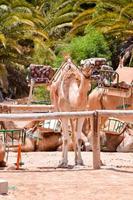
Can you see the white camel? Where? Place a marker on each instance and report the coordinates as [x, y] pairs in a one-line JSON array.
[[69, 93]]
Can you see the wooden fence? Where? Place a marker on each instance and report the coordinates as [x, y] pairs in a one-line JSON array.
[[95, 117], [19, 108]]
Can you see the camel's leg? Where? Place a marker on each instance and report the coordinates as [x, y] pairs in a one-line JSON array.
[[100, 126], [73, 126], [64, 162], [54, 96], [31, 91], [2, 154], [80, 122]]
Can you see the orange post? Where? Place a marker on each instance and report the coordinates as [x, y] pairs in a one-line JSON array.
[[18, 156]]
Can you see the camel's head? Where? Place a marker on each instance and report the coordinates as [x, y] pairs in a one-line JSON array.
[[92, 66], [87, 68]]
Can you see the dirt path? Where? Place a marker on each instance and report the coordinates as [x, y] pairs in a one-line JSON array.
[[41, 180]]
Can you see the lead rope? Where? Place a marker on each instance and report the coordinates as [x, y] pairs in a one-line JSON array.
[[123, 103], [124, 108], [101, 99]]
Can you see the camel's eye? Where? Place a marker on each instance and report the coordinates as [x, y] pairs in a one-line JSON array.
[[91, 65]]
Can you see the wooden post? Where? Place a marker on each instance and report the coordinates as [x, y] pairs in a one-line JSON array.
[[31, 91], [21, 108], [18, 156], [96, 142]]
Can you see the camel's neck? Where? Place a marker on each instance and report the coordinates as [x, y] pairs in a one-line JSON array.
[[74, 92], [85, 84], [9, 125]]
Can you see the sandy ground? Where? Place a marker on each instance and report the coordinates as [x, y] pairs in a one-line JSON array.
[[40, 179]]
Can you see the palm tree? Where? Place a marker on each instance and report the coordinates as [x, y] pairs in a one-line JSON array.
[[18, 21], [21, 29], [111, 17], [117, 21]]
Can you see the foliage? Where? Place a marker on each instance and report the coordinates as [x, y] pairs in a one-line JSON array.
[[19, 21], [111, 17], [3, 78], [17, 82], [20, 26], [93, 44], [41, 94], [42, 54], [42, 31]]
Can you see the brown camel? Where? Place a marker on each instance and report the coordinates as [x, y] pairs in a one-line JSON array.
[[2, 154], [114, 98], [43, 139], [37, 139], [69, 90], [49, 140], [120, 97], [2, 146]]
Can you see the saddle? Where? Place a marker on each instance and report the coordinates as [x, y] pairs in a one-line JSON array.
[[114, 84], [40, 73]]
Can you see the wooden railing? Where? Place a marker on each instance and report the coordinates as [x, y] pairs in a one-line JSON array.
[[20, 108], [95, 117]]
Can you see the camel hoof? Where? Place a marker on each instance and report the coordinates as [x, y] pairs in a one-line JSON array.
[[2, 164], [101, 163], [80, 162], [63, 165]]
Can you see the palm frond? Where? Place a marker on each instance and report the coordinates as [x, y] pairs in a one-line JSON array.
[[22, 9], [79, 2], [83, 16], [41, 33], [63, 5], [67, 17], [14, 20], [12, 44], [79, 27], [60, 26], [3, 39], [107, 18], [127, 11]]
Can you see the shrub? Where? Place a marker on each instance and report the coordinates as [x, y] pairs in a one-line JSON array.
[[92, 44]]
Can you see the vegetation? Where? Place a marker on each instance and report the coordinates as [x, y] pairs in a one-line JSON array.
[[92, 44], [42, 31], [41, 94]]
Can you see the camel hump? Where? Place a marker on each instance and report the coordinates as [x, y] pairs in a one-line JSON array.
[[125, 74]]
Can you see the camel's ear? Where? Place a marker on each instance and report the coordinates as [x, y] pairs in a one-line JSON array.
[[48, 85], [92, 65], [82, 62]]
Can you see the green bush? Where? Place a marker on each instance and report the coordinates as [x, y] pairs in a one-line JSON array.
[[41, 94], [92, 44]]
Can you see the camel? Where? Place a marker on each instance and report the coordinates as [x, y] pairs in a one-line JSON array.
[[49, 139], [126, 144], [2, 146], [43, 139], [68, 90], [128, 55], [37, 137], [120, 97], [2, 155], [117, 136]]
